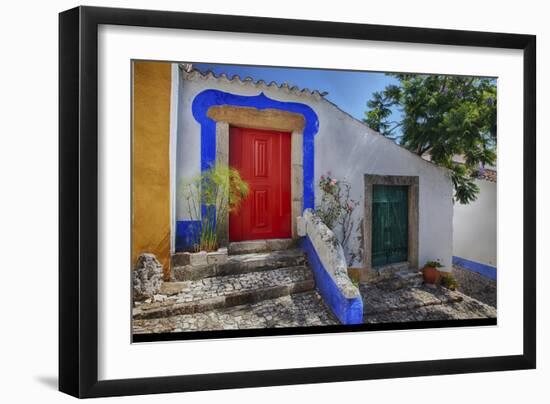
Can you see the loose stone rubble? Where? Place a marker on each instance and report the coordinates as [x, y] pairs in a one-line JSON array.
[[147, 277]]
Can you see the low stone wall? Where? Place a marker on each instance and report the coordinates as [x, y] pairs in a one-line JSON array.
[[328, 263], [189, 266]]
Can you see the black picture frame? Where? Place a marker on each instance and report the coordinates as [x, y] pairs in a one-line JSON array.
[[78, 201]]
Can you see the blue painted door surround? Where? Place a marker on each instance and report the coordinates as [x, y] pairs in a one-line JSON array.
[[209, 98]]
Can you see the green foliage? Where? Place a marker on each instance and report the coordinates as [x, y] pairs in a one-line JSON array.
[[433, 264], [379, 112], [443, 117], [336, 207], [221, 190], [466, 189], [449, 281]]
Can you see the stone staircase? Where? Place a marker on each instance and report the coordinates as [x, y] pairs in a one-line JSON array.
[[254, 271]]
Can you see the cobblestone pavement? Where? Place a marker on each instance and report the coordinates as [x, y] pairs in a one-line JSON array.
[[381, 304], [297, 310], [476, 286], [420, 304], [207, 288]]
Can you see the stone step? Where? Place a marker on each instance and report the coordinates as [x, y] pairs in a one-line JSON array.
[[258, 246], [390, 270], [400, 280], [297, 310], [241, 264], [176, 298]]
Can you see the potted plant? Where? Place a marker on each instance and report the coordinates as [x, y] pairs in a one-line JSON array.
[[430, 272]]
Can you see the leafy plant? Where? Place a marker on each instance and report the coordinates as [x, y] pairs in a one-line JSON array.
[[336, 207], [433, 264], [449, 281], [210, 198], [442, 117]]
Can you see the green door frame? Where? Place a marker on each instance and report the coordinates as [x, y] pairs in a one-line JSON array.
[[412, 182]]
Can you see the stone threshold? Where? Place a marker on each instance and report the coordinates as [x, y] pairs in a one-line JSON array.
[[258, 246]]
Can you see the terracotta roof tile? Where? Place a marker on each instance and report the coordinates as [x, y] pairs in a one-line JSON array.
[[487, 175], [191, 73]]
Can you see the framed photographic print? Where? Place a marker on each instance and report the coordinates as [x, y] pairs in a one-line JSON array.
[[269, 201]]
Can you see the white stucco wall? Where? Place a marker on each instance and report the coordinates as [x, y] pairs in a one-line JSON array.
[[188, 153], [346, 148], [475, 226]]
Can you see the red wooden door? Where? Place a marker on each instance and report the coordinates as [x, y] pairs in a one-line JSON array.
[[263, 160]]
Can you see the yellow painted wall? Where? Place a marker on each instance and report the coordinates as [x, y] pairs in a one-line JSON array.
[[150, 161]]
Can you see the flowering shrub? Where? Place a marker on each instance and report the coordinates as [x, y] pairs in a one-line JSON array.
[[336, 207], [329, 211]]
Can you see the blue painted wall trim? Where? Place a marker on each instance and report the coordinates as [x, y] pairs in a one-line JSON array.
[[209, 98], [348, 311], [482, 269], [187, 234]]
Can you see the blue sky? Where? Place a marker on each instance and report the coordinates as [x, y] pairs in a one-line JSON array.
[[349, 90]]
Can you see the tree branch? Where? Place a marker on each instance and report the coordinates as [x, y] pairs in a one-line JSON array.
[[395, 127]]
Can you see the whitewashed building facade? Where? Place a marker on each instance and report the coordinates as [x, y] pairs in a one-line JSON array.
[[324, 139]]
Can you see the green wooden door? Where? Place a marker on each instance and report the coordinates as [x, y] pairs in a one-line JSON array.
[[389, 224]]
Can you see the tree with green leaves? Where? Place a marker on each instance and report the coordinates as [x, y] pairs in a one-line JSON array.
[[441, 117]]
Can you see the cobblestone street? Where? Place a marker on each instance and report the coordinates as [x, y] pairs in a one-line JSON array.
[[420, 304], [301, 309], [277, 289], [476, 286], [307, 309]]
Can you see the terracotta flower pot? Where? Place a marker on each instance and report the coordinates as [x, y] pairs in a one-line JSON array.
[[430, 275]]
